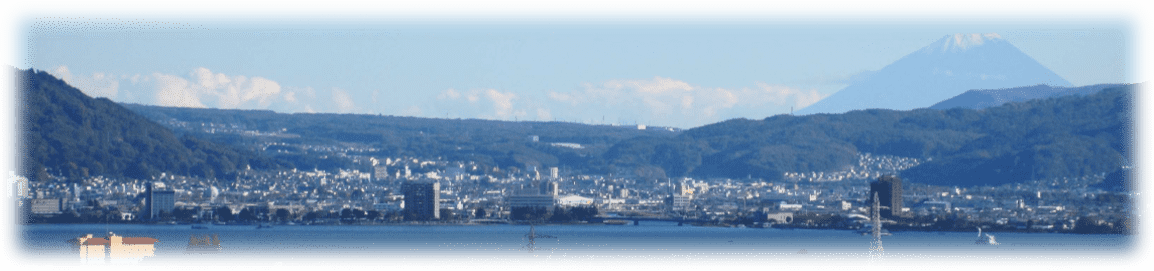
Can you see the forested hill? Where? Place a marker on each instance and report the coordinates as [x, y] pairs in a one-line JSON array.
[[69, 134], [982, 98], [1067, 136], [298, 138]]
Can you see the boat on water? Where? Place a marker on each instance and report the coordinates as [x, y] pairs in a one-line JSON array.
[[985, 239], [616, 222], [263, 226]]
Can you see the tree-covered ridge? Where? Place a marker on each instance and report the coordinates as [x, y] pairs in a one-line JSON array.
[[490, 143], [1037, 139], [983, 98], [67, 133]]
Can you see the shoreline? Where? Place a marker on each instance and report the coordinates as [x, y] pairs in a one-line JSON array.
[[776, 227]]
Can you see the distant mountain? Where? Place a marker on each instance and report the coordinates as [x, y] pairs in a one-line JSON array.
[[948, 67], [1069, 136], [982, 98], [66, 133]]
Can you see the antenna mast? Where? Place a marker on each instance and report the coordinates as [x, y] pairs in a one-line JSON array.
[[875, 217]]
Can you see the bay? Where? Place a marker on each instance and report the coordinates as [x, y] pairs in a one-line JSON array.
[[648, 244]]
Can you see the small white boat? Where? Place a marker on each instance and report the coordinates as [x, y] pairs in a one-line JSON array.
[[987, 239]]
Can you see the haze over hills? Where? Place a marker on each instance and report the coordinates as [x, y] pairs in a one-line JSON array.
[[944, 69], [72, 135], [982, 98]]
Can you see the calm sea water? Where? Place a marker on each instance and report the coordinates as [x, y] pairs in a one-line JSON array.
[[504, 245]]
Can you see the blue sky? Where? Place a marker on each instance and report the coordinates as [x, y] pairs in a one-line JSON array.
[[666, 73]]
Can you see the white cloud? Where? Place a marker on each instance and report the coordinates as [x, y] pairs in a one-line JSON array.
[[783, 95], [203, 88], [544, 114], [175, 91], [655, 101], [412, 110], [667, 101], [235, 91], [96, 85], [343, 101], [502, 102], [290, 96], [449, 94]]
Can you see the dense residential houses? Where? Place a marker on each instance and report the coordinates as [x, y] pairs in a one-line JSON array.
[[401, 189]]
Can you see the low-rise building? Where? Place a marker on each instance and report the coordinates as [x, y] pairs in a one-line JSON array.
[[45, 206], [574, 200], [546, 201]]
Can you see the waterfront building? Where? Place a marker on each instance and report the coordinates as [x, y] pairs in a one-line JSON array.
[[157, 200], [421, 200], [786, 206], [91, 249], [130, 249], [120, 249], [44, 206], [889, 191], [574, 200], [543, 201], [678, 203]]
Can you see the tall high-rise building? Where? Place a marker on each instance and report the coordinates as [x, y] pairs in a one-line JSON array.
[[550, 188], [889, 191], [380, 172], [680, 189], [421, 200], [157, 200]]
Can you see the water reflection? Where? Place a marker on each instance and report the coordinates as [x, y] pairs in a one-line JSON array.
[[203, 245]]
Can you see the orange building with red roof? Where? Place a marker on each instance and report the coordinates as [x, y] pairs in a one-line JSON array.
[[119, 248]]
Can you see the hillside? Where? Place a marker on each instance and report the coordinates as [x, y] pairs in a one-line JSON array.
[[490, 143], [66, 133], [1064, 136], [1048, 138], [982, 98]]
